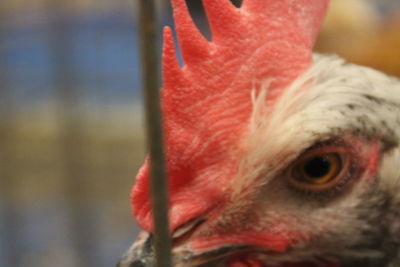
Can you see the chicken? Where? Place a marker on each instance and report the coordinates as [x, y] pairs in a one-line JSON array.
[[275, 156]]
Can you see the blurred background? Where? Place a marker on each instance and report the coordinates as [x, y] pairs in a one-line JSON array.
[[71, 130]]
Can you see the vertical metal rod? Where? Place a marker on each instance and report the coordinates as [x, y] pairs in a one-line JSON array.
[[159, 193]]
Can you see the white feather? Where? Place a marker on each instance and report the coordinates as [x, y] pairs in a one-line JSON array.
[[316, 107]]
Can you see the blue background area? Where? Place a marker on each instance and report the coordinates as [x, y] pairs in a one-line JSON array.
[[101, 58]]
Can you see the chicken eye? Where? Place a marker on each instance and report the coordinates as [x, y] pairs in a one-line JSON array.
[[318, 170]]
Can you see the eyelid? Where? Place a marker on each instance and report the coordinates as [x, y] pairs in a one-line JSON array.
[[322, 150]]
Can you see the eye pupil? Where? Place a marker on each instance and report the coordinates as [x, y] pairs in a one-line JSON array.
[[317, 167]]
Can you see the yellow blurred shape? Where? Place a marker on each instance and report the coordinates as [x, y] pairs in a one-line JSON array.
[[356, 31]]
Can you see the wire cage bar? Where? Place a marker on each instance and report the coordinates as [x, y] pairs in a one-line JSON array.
[[150, 74]]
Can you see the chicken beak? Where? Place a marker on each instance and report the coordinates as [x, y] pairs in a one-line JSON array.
[[140, 254]]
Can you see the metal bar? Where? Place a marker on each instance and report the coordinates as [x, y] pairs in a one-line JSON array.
[[159, 193]]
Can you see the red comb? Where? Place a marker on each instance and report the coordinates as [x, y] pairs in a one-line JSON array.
[[207, 102]]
